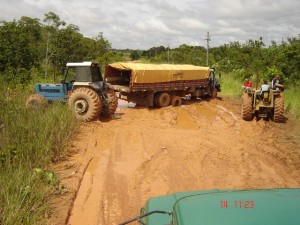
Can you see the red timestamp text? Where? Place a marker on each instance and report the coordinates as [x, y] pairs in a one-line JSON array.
[[239, 204]]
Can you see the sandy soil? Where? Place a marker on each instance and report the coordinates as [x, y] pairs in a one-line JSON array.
[[116, 165]]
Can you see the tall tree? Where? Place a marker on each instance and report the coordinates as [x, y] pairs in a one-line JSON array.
[[97, 46], [67, 46], [53, 22]]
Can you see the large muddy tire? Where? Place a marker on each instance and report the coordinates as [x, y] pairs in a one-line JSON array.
[[176, 100], [85, 104], [247, 108], [110, 103], [36, 101], [278, 109], [163, 99]]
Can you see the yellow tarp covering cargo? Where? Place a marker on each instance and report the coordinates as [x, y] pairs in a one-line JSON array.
[[154, 73]]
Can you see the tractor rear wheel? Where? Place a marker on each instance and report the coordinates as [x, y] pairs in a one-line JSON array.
[[176, 100], [163, 99], [247, 108], [278, 116], [85, 104], [36, 101], [110, 103]]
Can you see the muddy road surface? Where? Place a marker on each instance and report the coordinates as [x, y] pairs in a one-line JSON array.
[[117, 165]]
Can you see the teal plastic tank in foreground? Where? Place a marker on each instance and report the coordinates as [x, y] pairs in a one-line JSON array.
[[225, 207]]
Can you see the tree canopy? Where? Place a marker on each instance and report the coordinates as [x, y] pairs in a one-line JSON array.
[[28, 43]]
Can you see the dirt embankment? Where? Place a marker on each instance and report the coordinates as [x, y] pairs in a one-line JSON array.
[[143, 153]]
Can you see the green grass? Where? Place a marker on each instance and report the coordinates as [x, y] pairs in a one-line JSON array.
[[292, 100], [233, 87], [29, 140], [23, 197]]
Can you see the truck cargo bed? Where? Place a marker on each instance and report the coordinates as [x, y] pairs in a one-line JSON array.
[[137, 73]]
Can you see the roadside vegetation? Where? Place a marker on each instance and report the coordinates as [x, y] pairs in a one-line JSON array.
[[37, 51], [30, 141], [292, 100]]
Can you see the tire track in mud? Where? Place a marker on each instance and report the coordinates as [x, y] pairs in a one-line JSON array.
[[119, 182], [206, 145]]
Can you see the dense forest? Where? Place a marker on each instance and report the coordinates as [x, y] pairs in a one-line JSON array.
[[32, 49]]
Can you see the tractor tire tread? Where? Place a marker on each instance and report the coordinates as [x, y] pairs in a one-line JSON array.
[[247, 108], [278, 109], [93, 100], [110, 104]]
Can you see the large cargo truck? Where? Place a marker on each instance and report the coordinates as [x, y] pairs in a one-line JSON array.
[[161, 85]]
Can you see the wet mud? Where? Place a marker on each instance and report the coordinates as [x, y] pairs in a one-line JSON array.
[[142, 153]]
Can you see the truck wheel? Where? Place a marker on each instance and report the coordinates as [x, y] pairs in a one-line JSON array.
[[155, 101], [163, 99], [110, 103], [214, 94], [85, 104], [278, 109], [247, 107], [36, 101], [176, 100]]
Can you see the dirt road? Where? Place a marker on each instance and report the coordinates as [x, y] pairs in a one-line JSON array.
[[143, 153]]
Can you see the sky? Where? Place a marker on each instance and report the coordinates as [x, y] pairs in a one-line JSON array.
[[142, 24]]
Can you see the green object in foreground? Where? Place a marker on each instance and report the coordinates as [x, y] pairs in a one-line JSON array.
[[226, 207]]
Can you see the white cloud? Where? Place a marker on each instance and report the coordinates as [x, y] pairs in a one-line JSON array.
[[231, 31], [155, 26], [39, 3], [244, 8], [193, 24]]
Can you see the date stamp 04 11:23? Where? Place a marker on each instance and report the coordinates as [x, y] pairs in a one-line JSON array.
[[239, 204]]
